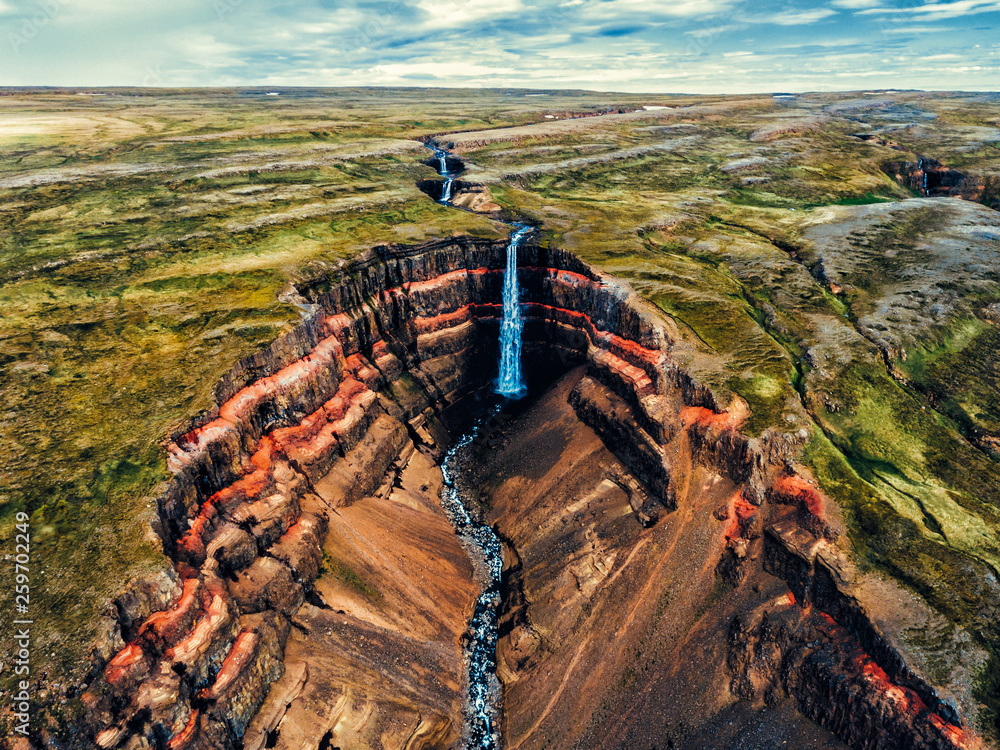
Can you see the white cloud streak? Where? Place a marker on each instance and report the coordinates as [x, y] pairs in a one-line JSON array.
[[451, 13], [937, 11], [856, 4], [793, 18]]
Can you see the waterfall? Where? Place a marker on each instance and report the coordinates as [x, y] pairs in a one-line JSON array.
[[449, 178], [510, 383], [484, 699]]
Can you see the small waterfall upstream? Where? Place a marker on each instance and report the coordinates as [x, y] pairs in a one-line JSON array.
[[483, 708], [449, 177]]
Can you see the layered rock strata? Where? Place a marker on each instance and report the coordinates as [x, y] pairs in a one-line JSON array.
[[307, 431], [308, 427], [653, 622]]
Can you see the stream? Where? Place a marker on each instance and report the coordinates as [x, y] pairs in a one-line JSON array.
[[484, 699], [484, 702]]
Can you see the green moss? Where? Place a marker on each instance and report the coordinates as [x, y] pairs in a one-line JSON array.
[[761, 199], [867, 198], [885, 539], [987, 691], [347, 576]]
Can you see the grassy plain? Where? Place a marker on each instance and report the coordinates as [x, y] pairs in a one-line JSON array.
[[146, 239]]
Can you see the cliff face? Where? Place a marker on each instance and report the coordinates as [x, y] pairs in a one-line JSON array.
[[929, 177], [471, 196], [313, 560], [653, 622]]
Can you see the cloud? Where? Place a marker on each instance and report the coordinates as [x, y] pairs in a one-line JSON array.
[[447, 70], [688, 45], [794, 18], [205, 51], [450, 13], [712, 31], [819, 44], [856, 4], [692, 9], [919, 30], [942, 10]]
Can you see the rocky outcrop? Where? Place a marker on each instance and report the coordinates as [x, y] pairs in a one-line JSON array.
[[476, 198], [869, 685], [470, 196], [781, 128], [783, 648], [845, 659]]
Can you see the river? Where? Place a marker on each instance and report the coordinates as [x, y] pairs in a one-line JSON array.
[[484, 701]]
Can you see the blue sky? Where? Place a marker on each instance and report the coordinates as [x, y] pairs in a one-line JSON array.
[[695, 46]]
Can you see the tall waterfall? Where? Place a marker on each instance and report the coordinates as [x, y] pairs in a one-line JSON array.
[[511, 382]]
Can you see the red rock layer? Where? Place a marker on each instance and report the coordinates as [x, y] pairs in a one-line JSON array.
[[241, 517], [834, 680]]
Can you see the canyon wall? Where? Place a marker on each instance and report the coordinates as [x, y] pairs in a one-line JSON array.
[[310, 436], [652, 623]]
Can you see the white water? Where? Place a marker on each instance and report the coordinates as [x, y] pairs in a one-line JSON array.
[[449, 177], [510, 383], [483, 706]]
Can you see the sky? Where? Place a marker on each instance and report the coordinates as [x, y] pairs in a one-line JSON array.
[[672, 46]]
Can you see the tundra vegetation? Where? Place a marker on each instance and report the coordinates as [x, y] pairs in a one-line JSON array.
[[148, 240]]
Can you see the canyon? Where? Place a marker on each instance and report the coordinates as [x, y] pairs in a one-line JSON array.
[[320, 596]]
